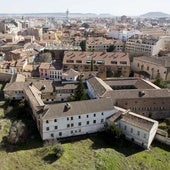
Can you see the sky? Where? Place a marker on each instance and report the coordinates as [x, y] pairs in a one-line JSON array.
[[114, 7]]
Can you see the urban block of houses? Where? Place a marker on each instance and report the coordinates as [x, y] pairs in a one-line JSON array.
[[49, 91], [110, 61], [51, 71], [102, 44]]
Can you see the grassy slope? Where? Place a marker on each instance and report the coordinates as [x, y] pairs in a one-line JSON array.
[[88, 154]]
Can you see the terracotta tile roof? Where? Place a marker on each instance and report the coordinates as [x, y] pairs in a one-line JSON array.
[[107, 58]]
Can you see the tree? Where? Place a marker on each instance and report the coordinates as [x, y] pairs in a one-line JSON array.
[[58, 150], [111, 48], [83, 45], [160, 83], [18, 133], [115, 131], [92, 65], [80, 91]]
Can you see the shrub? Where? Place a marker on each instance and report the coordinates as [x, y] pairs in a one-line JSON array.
[[58, 150], [167, 121]]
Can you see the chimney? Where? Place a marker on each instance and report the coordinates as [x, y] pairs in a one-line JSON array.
[[141, 93], [68, 106]]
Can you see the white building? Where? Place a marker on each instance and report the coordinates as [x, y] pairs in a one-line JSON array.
[[136, 128], [70, 75], [123, 35], [51, 71], [147, 45], [75, 118]]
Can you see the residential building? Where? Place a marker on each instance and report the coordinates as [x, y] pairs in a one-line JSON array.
[[143, 44], [117, 62], [51, 71], [102, 44]]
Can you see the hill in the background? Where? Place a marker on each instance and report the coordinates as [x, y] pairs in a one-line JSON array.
[[155, 15]]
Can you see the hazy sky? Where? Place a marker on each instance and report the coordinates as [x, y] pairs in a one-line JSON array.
[[115, 7]]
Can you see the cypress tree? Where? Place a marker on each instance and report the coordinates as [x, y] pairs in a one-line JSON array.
[[80, 92]]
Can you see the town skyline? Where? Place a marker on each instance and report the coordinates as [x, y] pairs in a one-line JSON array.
[[132, 8]]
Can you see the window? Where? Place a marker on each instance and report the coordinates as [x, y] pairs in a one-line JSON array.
[[144, 136], [94, 115], [87, 116], [52, 135], [138, 133], [79, 117], [60, 133], [71, 131], [79, 130], [87, 122], [68, 125], [55, 120], [47, 121], [55, 127], [102, 113], [71, 118], [79, 123], [131, 130], [67, 118], [47, 128], [102, 120], [94, 121], [72, 124]]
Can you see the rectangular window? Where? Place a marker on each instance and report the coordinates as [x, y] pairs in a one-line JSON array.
[[68, 125], [55, 120], [87, 116], [138, 133], [94, 115], [67, 118], [60, 133], [52, 135], [102, 113], [47, 128], [47, 121], [71, 131], [56, 127], [71, 118], [79, 123], [94, 121], [102, 120], [87, 122], [79, 117], [72, 124]]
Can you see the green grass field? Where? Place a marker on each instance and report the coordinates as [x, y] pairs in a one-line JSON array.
[[93, 152]]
